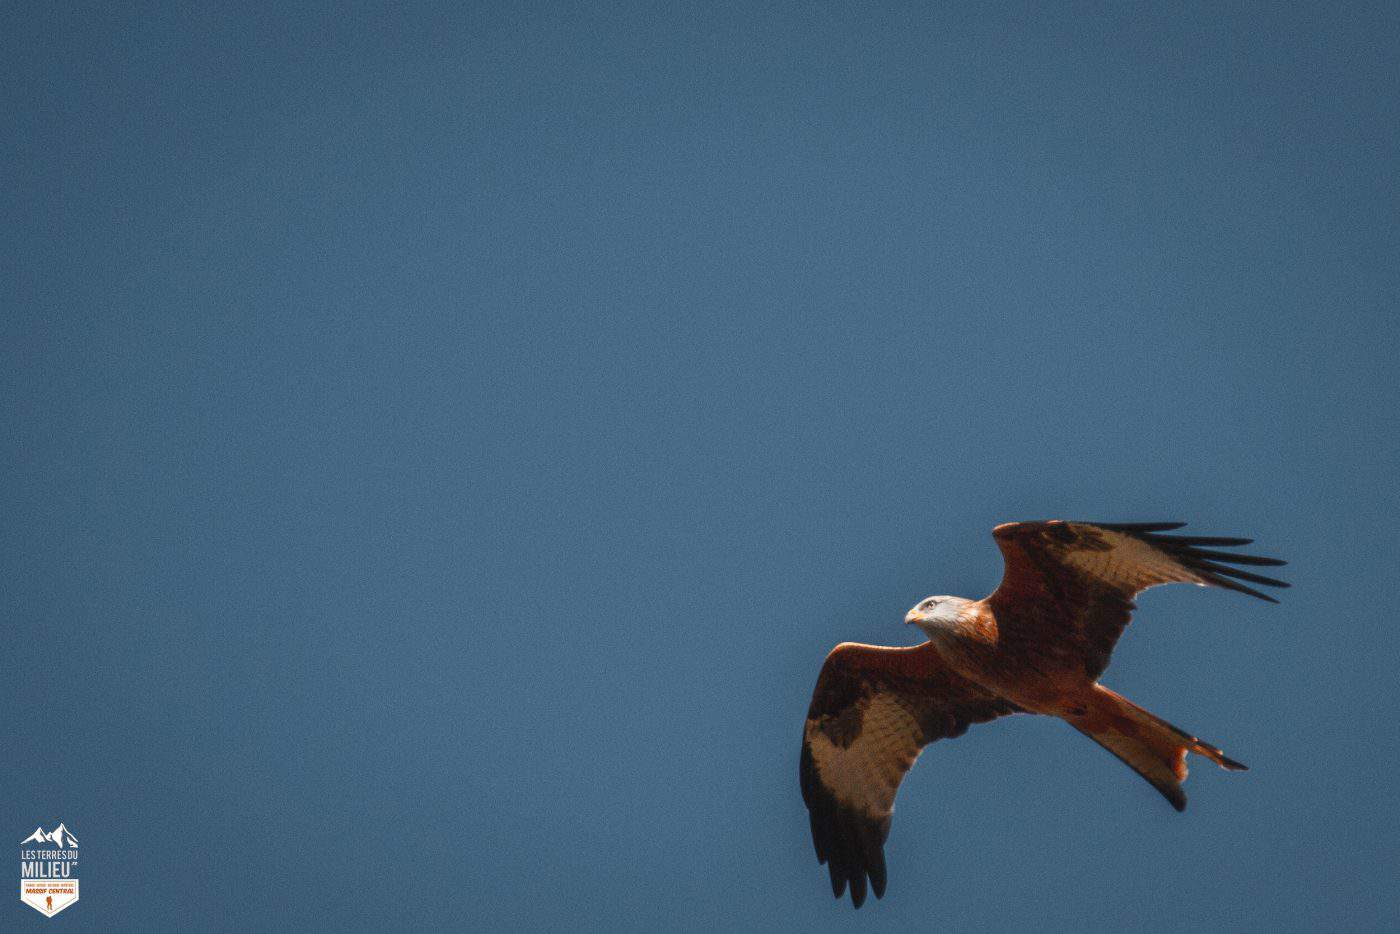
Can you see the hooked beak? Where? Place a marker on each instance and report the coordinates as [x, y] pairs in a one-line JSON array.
[[913, 616]]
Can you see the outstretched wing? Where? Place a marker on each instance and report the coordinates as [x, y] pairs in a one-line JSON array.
[[873, 710], [1069, 586]]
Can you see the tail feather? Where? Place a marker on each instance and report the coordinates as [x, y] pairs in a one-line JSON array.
[[1146, 743]]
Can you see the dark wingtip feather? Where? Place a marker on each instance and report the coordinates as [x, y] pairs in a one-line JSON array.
[[1211, 540], [849, 842], [1214, 567], [1228, 584], [858, 889], [1239, 559], [874, 858], [1217, 568]]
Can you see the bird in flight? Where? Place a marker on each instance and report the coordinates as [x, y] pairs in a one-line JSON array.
[[1038, 644]]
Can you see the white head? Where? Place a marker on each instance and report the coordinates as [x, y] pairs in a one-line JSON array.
[[938, 613]]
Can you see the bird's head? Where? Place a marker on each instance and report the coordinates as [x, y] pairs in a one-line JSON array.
[[935, 613]]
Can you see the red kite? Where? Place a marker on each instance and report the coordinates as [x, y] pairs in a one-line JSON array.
[[1037, 645]]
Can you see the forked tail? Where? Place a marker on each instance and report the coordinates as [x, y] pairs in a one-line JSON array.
[[1149, 745]]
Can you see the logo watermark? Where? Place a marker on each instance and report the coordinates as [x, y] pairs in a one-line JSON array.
[[48, 870]]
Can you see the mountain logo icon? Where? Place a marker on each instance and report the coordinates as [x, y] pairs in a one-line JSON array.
[[60, 837]]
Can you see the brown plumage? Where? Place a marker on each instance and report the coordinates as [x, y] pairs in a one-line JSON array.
[[1036, 645]]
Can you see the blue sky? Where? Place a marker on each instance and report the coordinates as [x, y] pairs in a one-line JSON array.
[[442, 442]]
